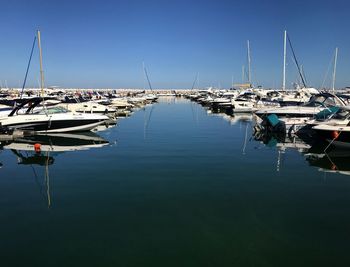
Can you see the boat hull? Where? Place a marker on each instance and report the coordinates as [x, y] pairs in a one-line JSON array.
[[54, 124]]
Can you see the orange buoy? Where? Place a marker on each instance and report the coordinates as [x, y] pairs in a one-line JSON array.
[[335, 134], [37, 147]]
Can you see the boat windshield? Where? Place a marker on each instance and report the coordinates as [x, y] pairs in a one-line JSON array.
[[53, 110], [321, 100], [333, 113], [341, 115]]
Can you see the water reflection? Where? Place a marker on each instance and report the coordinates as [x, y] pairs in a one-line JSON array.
[[39, 150], [233, 119], [56, 143], [317, 154], [336, 160], [27, 154], [35, 158]]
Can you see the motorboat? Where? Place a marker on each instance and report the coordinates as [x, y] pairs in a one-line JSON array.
[[316, 104], [50, 119], [337, 135], [292, 120], [89, 107]]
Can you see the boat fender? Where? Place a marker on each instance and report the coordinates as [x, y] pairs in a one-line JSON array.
[[335, 134], [37, 147], [334, 167]]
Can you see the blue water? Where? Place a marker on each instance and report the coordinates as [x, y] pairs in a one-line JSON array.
[[175, 186]]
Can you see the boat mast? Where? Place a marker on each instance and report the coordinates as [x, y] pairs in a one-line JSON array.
[[41, 66], [243, 74], [26, 75], [249, 74], [302, 73], [144, 76], [335, 68], [194, 82], [198, 79], [284, 60]]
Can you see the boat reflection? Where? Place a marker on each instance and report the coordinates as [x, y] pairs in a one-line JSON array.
[[283, 142], [234, 119], [33, 159], [318, 154], [60, 142], [41, 149], [336, 160]]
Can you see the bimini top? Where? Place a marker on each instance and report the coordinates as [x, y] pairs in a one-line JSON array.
[[31, 102]]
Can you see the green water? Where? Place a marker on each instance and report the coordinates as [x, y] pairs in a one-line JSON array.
[[176, 186]]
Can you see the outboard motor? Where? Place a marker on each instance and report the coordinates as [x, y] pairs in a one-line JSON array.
[[272, 124]]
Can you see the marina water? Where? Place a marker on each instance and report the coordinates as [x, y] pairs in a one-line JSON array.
[[175, 186]]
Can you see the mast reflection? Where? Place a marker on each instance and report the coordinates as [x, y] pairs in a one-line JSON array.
[[319, 154]]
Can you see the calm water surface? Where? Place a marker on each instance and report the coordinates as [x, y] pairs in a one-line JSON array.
[[175, 186]]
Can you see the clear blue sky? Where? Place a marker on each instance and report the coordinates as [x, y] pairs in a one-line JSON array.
[[101, 44]]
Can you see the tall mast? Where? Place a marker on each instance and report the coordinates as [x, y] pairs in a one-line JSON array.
[[41, 66], [249, 74], [195, 80], [335, 68], [243, 74], [284, 60], [144, 76], [198, 79], [302, 74]]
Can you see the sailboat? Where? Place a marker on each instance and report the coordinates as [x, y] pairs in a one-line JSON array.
[[150, 98]]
